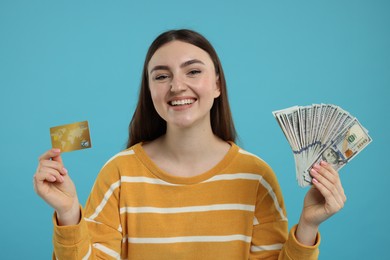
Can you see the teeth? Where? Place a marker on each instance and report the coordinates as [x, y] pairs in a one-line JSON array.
[[182, 102]]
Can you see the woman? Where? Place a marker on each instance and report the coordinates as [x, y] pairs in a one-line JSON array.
[[183, 189]]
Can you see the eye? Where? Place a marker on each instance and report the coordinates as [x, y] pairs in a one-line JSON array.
[[161, 77], [194, 72]]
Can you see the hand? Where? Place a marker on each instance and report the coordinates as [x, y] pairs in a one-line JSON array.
[[325, 198], [53, 184]]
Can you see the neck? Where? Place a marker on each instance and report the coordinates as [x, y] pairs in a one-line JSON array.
[[187, 152], [189, 143]]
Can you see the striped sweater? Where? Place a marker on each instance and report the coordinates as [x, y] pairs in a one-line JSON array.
[[137, 211]]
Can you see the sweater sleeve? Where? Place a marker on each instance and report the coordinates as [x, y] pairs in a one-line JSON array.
[[294, 250], [99, 233], [270, 238]]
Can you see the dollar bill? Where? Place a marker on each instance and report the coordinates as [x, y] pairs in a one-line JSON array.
[[321, 132], [349, 142]]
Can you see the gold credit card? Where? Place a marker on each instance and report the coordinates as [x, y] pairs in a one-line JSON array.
[[71, 137]]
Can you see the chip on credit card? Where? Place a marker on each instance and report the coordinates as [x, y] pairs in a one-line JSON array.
[[71, 137]]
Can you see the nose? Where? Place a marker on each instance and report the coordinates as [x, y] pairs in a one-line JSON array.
[[177, 85]]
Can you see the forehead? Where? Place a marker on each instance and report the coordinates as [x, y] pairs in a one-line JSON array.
[[177, 52]]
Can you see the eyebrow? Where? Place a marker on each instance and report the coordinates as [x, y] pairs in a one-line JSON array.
[[184, 64]]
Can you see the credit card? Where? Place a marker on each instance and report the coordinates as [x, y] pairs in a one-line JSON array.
[[71, 137]]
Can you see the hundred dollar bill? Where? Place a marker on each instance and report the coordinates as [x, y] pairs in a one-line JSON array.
[[347, 144], [315, 130]]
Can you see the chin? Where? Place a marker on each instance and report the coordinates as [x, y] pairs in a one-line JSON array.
[[184, 123], [188, 121]]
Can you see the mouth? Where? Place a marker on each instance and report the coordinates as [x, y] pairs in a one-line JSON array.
[[182, 102]]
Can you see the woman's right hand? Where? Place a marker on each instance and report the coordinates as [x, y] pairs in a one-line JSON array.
[[53, 184]]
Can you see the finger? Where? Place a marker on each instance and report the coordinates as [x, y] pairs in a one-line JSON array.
[[57, 158], [332, 204], [333, 176], [333, 189], [48, 174], [53, 155], [326, 172], [323, 176], [329, 168], [40, 181], [50, 154], [55, 165]]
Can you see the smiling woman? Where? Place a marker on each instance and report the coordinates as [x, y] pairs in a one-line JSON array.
[[183, 89], [183, 189], [221, 118]]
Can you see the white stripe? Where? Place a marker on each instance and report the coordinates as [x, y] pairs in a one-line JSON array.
[[91, 220], [268, 187], [222, 177], [124, 239], [187, 239], [107, 250], [146, 180], [123, 153], [126, 152], [107, 195], [88, 254], [251, 154], [235, 176], [266, 248], [214, 207], [273, 196]]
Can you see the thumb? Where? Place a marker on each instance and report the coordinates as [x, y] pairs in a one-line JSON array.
[[56, 155]]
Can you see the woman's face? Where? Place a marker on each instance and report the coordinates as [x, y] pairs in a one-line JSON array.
[[183, 84]]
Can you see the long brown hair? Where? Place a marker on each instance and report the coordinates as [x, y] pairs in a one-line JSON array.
[[147, 125]]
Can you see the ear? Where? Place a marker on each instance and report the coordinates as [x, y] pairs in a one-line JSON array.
[[217, 91]]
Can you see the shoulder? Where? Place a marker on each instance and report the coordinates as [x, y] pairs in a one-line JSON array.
[[251, 160], [117, 163], [121, 157], [121, 164], [248, 162]]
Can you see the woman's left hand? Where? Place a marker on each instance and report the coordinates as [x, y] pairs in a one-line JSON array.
[[325, 198]]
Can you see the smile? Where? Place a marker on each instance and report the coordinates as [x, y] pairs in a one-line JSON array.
[[181, 102]]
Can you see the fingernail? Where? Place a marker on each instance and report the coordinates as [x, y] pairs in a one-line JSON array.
[[313, 171], [65, 170], [316, 166], [56, 150], [314, 180], [323, 163]]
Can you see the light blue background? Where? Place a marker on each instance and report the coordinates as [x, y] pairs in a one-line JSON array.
[[68, 61]]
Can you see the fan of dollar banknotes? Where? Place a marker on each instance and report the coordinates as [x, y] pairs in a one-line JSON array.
[[321, 132]]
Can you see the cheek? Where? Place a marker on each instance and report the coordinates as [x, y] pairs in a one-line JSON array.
[[153, 94], [156, 92], [156, 100], [209, 86]]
